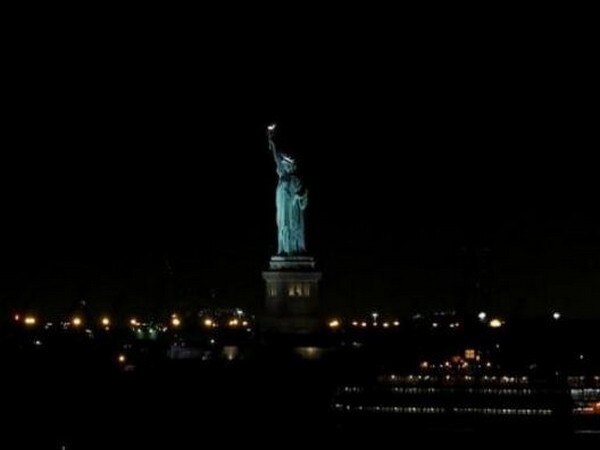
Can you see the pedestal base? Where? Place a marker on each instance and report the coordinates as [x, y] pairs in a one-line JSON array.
[[292, 293]]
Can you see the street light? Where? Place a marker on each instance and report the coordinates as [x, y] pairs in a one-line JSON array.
[[30, 320], [495, 323], [335, 323]]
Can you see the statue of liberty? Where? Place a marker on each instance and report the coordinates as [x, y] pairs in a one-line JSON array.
[[291, 199]]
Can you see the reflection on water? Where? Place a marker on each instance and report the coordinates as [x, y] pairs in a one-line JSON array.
[[230, 352], [311, 353]]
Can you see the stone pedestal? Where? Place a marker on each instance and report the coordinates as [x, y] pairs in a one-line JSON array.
[[292, 295]]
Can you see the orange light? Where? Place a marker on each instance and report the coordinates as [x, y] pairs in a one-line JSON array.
[[105, 321], [30, 320], [175, 321], [76, 321], [208, 323], [233, 323], [335, 323]]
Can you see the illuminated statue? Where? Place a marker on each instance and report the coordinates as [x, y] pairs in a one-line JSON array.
[[291, 199]]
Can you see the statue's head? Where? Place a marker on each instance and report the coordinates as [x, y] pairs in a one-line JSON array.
[[288, 163]]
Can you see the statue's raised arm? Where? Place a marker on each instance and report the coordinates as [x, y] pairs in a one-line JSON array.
[[272, 147]]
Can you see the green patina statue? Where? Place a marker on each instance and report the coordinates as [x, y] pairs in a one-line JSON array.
[[291, 199]]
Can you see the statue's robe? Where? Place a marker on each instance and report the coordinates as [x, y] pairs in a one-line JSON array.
[[291, 201]]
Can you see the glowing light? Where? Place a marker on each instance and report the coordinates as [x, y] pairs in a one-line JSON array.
[[482, 315], [245, 323], [233, 323], [230, 352], [76, 321], [495, 323], [470, 353], [396, 323], [105, 321], [556, 315], [208, 323], [364, 324], [30, 320], [309, 352], [175, 321], [424, 365], [335, 323], [271, 127], [122, 358], [133, 322], [17, 317], [386, 325], [434, 325]]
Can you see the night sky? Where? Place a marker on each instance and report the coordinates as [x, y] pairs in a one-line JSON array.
[[135, 173]]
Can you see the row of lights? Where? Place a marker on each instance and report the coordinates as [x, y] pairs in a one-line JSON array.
[[209, 323], [492, 323], [232, 323], [497, 323], [336, 323], [105, 321], [76, 321]]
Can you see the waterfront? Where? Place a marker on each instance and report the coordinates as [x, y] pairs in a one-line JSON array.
[[98, 389]]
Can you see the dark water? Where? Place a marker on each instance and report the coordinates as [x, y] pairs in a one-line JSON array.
[[82, 398]]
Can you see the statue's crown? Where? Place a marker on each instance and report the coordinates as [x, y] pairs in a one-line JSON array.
[[288, 159]]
